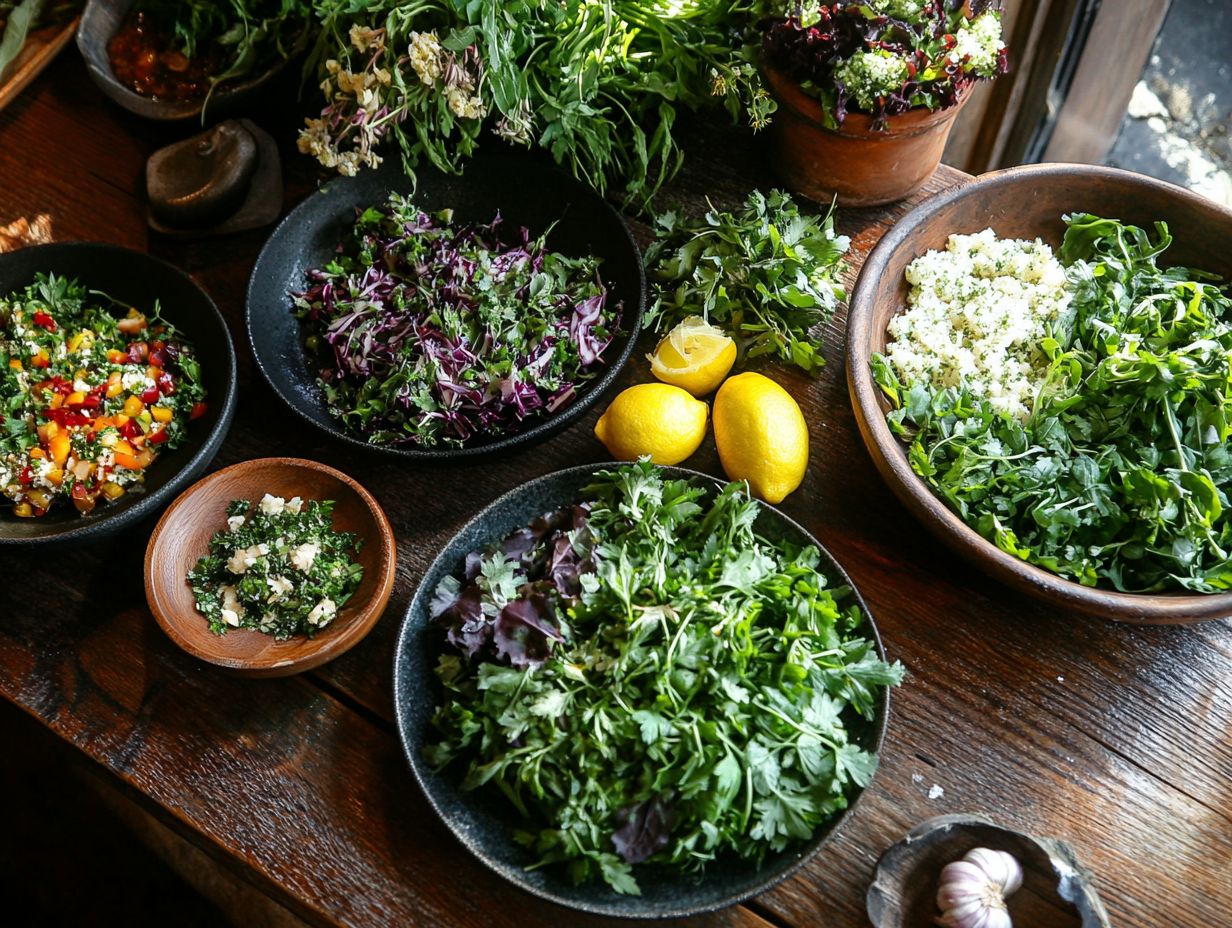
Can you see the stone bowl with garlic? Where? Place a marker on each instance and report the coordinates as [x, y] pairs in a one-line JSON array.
[[1006, 878]]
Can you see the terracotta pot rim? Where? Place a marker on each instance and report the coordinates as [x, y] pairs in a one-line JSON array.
[[915, 121]]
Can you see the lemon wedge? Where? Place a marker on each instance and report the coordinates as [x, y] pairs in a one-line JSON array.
[[694, 356]]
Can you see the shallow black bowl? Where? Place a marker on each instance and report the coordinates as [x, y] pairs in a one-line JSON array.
[[525, 193], [138, 279], [487, 828], [101, 20]]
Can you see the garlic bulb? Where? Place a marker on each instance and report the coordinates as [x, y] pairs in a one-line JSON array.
[[973, 890]]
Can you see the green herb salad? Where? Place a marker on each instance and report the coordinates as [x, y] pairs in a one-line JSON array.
[[1115, 468], [279, 568], [644, 677]]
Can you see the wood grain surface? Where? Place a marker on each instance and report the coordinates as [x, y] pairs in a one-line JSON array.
[[1114, 739]]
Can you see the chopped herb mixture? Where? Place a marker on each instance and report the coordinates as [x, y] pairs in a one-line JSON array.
[[644, 677], [766, 274], [433, 334], [280, 568], [1121, 473], [89, 401]]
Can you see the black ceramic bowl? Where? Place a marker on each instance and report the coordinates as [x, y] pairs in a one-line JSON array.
[[525, 192], [487, 828], [101, 19], [139, 279]]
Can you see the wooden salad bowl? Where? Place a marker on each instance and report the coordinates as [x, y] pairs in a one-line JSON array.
[[1023, 202], [183, 534]]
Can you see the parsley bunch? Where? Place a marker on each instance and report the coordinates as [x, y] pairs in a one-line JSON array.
[[1122, 475], [767, 274], [648, 678]]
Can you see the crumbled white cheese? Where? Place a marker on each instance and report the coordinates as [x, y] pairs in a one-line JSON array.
[[81, 386], [39, 470], [272, 505], [322, 612], [279, 586], [243, 558], [303, 555], [234, 523], [976, 314], [295, 504], [134, 378], [232, 610]]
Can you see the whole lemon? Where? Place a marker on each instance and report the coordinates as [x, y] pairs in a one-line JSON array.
[[655, 419], [695, 356], [761, 435]]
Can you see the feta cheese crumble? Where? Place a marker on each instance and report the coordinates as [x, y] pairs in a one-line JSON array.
[[976, 315]]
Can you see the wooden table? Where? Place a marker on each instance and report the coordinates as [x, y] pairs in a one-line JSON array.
[[1111, 737]]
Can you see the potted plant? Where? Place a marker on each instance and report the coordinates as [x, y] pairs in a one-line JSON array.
[[867, 92]]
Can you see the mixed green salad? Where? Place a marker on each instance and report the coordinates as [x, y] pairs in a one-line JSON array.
[[645, 677], [18, 18], [431, 333], [279, 568], [1121, 473]]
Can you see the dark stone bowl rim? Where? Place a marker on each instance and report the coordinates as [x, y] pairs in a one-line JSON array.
[[337, 197], [107, 522], [427, 779]]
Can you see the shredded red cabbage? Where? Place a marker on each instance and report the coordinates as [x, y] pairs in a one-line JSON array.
[[433, 334]]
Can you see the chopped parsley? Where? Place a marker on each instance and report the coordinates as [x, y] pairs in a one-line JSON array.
[[280, 568], [645, 677]]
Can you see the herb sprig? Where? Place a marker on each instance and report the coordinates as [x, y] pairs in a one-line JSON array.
[[767, 274], [646, 677], [1123, 473]]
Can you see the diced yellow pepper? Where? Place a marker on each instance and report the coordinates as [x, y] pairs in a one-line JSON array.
[[112, 490], [59, 446], [76, 398], [133, 407], [114, 385], [15, 364], [161, 413]]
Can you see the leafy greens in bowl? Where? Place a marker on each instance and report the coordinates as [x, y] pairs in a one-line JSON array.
[[629, 675], [1108, 496], [470, 316]]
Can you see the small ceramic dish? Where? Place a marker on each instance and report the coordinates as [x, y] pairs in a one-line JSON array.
[[487, 829], [524, 192], [101, 20], [1025, 202], [139, 280], [183, 534]]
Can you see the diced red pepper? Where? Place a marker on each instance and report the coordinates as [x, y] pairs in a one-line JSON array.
[[158, 355], [40, 361], [198, 410], [150, 395], [26, 477], [158, 437], [66, 418], [138, 352], [131, 429], [59, 385], [92, 401], [44, 321], [166, 383]]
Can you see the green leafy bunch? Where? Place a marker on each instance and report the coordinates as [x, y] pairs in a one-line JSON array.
[[1121, 475], [597, 83], [243, 35], [767, 273], [712, 694]]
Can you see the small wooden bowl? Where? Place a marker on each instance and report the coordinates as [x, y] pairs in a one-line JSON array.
[[1024, 202], [183, 535]]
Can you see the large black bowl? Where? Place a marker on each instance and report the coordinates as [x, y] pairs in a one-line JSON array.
[[525, 193], [487, 828], [138, 279]]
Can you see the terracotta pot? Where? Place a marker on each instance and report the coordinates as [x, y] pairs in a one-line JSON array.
[[861, 166]]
